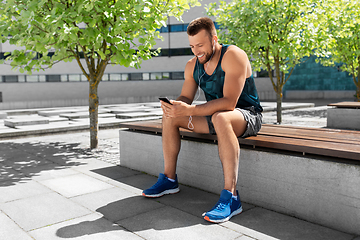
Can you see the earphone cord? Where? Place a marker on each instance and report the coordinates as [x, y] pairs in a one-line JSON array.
[[190, 124]]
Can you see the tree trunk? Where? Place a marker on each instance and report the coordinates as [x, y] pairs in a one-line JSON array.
[[278, 105], [93, 114]]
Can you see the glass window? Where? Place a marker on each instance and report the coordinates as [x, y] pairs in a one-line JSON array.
[[10, 78], [146, 76], [166, 75], [32, 78], [177, 28], [74, 77], [164, 29], [53, 78], [105, 77], [21, 78], [135, 76], [64, 78], [42, 78], [83, 78], [114, 77], [124, 76], [177, 75], [155, 76]]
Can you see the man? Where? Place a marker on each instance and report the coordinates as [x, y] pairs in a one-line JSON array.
[[232, 110]]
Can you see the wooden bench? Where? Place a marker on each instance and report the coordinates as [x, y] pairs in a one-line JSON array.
[[309, 173], [325, 142], [344, 115]]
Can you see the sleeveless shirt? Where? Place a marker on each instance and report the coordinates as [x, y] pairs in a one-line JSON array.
[[213, 85]]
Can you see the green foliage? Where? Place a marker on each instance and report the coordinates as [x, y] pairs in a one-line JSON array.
[[117, 31], [279, 32], [276, 34], [343, 34]]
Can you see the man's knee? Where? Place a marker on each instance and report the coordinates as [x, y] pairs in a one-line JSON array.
[[219, 120], [173, 122]]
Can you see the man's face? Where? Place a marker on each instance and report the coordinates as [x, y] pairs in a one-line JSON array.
[[201, 46]]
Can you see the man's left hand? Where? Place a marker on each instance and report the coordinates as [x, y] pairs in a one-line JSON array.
[[177, 109]]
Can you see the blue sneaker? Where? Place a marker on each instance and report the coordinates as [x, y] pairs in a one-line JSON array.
[[225, 208], [161, 187]]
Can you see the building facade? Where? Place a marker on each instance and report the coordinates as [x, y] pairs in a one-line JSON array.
[[64, 84]]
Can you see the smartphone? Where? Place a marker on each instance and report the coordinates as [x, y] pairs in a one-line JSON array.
[[165, 99]]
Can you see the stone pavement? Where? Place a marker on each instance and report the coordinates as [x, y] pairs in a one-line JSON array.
[[55, 187]]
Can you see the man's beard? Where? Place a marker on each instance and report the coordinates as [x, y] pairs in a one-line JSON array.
[[207, 58]]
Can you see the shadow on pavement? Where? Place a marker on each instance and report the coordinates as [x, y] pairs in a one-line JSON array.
[[22, 161]]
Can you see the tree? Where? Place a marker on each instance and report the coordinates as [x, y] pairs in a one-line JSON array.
[[277, 34], [343, 31], [100, 31]]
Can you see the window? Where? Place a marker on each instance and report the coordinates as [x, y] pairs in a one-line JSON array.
[[64, 78], [105, 77], [53, 78], [32, 78], [164, 30], [166, 75], [135, 76], [156, 76], [42, 78], [74, 78], [114, 77], [177, 28], [177, 75], [124, 76], [10, 78], [21, 78], [146, 76]]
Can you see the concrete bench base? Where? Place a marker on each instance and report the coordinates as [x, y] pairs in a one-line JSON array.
[[343, 118], [314, 189]]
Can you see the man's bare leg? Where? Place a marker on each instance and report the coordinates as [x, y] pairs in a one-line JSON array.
[[228, 126], [171, 141]]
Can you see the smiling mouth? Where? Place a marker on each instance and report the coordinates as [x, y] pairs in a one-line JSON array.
[[200, 56]]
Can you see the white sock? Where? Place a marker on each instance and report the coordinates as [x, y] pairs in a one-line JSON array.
[[171, 180]]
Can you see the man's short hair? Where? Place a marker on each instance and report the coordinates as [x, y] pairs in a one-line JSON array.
[[199, 24]]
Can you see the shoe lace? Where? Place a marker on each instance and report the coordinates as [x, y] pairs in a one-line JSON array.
[[157, 184], [220, 205]]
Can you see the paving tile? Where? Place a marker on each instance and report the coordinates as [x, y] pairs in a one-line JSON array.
[[42, 210], [135, 184], [116, 203], [9, 176], [112, 172], [9, 230], [48, 171], [258, 222], [75, 185], [20, 189], [171, 223], [194, 201], [92, 226], [90, 164]]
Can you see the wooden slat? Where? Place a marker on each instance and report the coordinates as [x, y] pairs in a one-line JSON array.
[[327, 142], [340, 150], [346, 105], [350, 137]]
